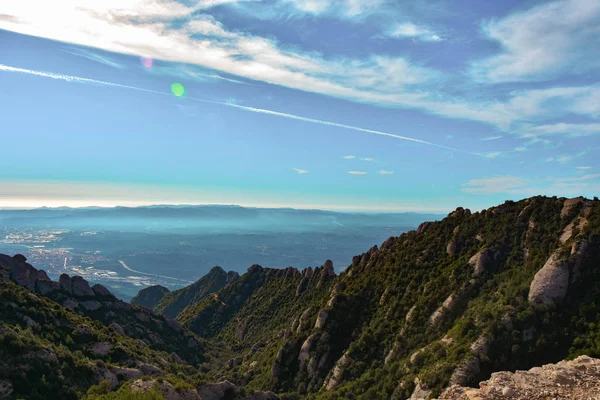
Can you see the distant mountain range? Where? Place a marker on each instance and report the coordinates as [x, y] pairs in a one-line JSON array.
[[423, 315]]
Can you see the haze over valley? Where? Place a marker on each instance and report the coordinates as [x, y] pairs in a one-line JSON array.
[[127, 249]]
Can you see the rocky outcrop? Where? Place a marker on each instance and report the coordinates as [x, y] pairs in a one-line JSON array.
[[421, 391], [338, 370], [150, 296], [219, 391], [166, 389], [170, 304], [447, 306], [480, 262], [577, 379], [552, 281]]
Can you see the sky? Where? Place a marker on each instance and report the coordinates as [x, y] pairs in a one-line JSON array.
[[351, 105]]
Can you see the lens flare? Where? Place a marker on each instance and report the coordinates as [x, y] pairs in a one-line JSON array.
[[146, 62], [177, 89]]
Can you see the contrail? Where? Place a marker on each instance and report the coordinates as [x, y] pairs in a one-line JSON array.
[[77, 79]]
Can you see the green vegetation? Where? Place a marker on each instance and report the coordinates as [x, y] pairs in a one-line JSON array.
[[421, 307]]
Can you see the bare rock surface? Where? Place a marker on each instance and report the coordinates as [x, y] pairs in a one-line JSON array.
[[576, 379], [551, 282]]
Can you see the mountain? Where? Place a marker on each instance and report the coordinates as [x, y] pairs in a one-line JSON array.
[[510, 287], [425, 314], [172, 303], [150, 296]]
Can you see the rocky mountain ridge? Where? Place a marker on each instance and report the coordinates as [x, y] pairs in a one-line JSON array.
[[424, 315]]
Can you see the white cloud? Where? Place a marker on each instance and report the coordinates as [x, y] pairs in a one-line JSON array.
[[357, 172], [562, 128], [344, 8], [300, 171], [486, 139], [495, 184], [521, 148], [144, 28], [70, 78], [564, 159], [349, 157], [551, 186], [410, 30], [384, 172], [493, 154], [367, 159], [550, 39], [584, 168]]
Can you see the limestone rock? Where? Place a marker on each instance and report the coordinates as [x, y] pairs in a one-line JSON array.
[[101, 291], [65, 283], [218, 391], [117, 328], [576, 379], [480, 262], [263, 396], [338, 370], [551, 282], [102, 348], [90, 305], [322, 318], [421, 391], [81, 287], [167, 390]]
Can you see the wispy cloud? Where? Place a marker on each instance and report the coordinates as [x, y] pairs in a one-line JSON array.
[[412, 31], [344, 8], [300, 171], [349, 157], [584, 168], [92, 56], [367, 159], [566, 129], [70, 78], [486, 139], [384, 172], [494, 184], [553, 186], [493, 154], [357, 172], [543, 42], [173, 31]]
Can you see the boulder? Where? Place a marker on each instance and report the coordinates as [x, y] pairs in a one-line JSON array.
[[337, 373], [81, 287], [322, 318], [302, 286], [46, 287], [480, 262], [263, 396], [102, 348], [176, 359], [219, 391], [117, 328], [101, 291], [421, 391], [551, 282], [90, 305], [65, 283]]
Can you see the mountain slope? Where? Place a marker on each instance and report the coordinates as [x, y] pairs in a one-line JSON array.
[[510, 287], [172, 303], [149, 297]]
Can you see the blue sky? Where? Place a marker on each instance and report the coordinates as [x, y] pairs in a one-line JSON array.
[[368, 105]]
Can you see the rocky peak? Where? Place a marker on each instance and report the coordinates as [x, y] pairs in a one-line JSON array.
[[150, 296]]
